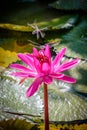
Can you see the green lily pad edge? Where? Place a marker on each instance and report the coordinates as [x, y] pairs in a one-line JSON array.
[[22, 124]]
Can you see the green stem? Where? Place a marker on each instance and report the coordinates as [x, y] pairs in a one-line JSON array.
[[46, 114]]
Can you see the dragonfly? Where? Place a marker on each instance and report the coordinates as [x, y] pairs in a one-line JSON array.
[[38, 31]]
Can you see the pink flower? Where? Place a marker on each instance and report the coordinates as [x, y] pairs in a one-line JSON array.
[[41, 67]]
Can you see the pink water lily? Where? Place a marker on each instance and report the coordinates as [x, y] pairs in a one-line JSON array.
[[43, 68]]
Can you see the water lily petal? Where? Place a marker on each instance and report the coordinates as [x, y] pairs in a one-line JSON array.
[[31, 62], [26, 59], [68, 65], [23, 58], [19, 67], [37, 65], [59, 57], [30, 55], [47, 52], [48, 79], [42, 68], [59, 75], [22, 74], [35, 52], [45, 68], [34, 87], [67, 79]]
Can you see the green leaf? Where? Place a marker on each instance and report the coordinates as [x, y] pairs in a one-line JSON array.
[[70, 4], [76, 39]]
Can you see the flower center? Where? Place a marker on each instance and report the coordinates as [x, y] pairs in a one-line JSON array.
[[42, 58]]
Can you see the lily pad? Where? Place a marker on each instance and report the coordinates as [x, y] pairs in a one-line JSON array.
[[17, 124], [9, 50], [23, 124], [70, 4], [66, 21], [16, 27], [7, 57], [76, 40], [66, 102]]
